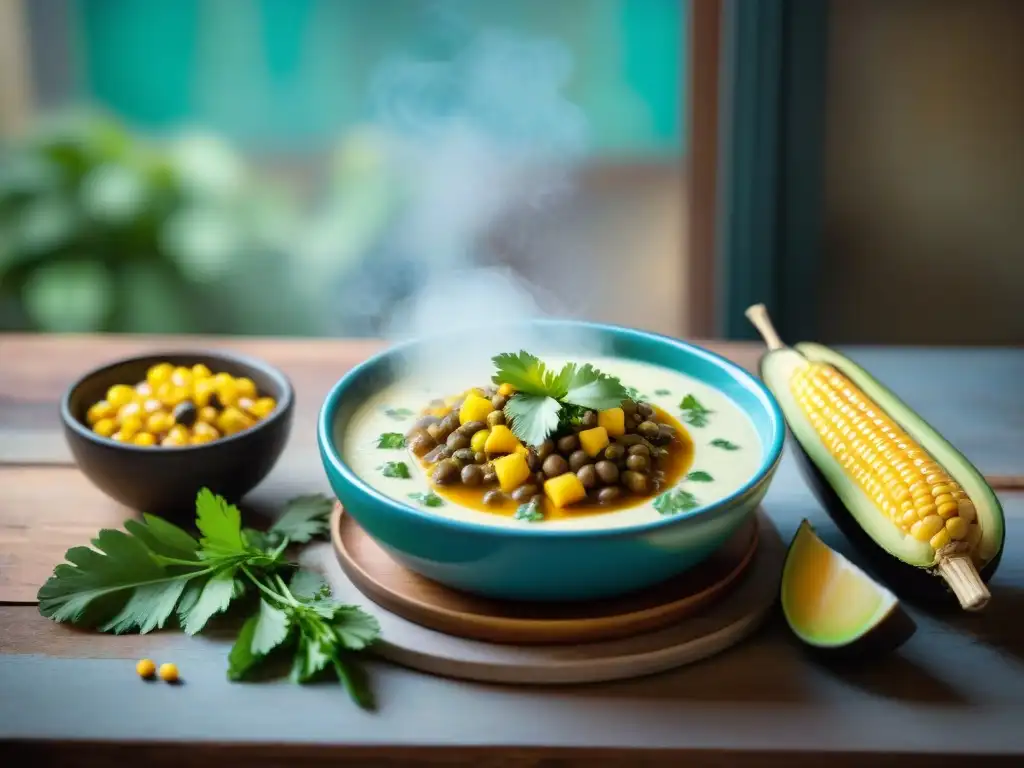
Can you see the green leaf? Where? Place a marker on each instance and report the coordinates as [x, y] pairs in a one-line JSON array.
[[397, 469], [529, 512], [662, 392], [309, 585], [532, 418], [428, 499], [271, 629], [69, 297], [221, 525], [241, 659], [699, 476], [216, 596], [304, 518], [108, 575], [590, 388], [398, 414], [527, 374], [725, 445], [164, 538], [694, 413], [675, 501], [311, 657], [147, 609], [353, 677], [391, 440], [355, 628]]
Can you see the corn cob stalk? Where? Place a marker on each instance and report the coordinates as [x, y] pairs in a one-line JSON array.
[[905, 483]]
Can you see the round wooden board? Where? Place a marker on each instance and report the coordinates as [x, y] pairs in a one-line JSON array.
[[721, 625], [452, 612]]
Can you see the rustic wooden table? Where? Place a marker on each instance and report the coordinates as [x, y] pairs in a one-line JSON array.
[[956, 688]]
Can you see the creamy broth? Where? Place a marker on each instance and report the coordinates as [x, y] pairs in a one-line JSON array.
[[724, 452]]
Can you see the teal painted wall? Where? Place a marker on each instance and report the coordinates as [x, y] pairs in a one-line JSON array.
[[290, 75]]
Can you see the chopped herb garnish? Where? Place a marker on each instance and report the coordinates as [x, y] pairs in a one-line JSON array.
[[694, 413], [661, 392], [544, 398], [699, 477], [725, 445], [391, 440], [428, 499], [675, 501], [395, 469], [530, 512], [398, 414]]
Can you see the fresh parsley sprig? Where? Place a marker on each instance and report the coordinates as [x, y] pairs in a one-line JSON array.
[[138, 578], [545, 398]]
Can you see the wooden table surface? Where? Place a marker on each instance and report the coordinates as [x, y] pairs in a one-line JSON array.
[[956, 688]]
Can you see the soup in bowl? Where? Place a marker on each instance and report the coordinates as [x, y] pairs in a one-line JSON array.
[[561, 461]]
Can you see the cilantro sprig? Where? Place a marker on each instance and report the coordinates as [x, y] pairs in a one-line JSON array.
[[544, 398], [138, 578]]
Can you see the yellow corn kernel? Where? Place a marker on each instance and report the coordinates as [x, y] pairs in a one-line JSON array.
[[120, 394], [901, 478], [105, 427], [208, 414], [474, 408], [501, 440], [479, 440], [232, 420], [263, 407], [130, 426], [565, 490], [506, 390], [151, 405], [181, 377], [227, 391], [246, 387], [613, 420], [923, 530], [100, 410], [144, 438], [511, 470], [201, 392], [158, 374], [179, 433], [129, 409], [145, 668], [940, 539], [202, 429], [200, 371], [159, 422], [593, 441]]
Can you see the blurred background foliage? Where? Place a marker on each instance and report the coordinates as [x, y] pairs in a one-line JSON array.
[[210, 166]]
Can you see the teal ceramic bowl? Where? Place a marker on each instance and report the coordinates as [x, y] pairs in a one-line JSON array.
[[534, 563]]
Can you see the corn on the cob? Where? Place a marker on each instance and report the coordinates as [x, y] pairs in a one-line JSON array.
[[904, 481]]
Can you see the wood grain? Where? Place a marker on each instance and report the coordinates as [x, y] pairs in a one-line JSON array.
[[433, 605]]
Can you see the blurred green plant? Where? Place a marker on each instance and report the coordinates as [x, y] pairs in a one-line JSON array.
[[101, 230]]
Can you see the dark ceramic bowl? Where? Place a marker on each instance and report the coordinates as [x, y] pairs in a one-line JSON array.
[[165, 481]]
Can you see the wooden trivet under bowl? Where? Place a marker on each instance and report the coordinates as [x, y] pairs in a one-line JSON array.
[[430, 604]]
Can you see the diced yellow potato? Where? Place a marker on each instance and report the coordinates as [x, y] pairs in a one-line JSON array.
[[564, 490], [522, 449], [593, 441], [501, 440], [512, 471], [474, 408], [613, 420], [479, 440], [506, 389]]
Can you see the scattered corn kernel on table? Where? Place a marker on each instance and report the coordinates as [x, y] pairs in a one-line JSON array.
[[957, 688]]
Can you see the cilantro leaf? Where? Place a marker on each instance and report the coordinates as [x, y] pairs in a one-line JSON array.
[[694, 412], [398, 414], [699, 476], [271, 629], [215, 596], [398, 469], [97, 583], [221, 526], [353, 677], [308, 585], [355, 628], [589, 388], [163, 538], [528, 512], [675, 501], [391, 440], [311, 657], [724, 444], [527, 374], [304, 518], [531, 417], [662, 392], [428, 499]]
